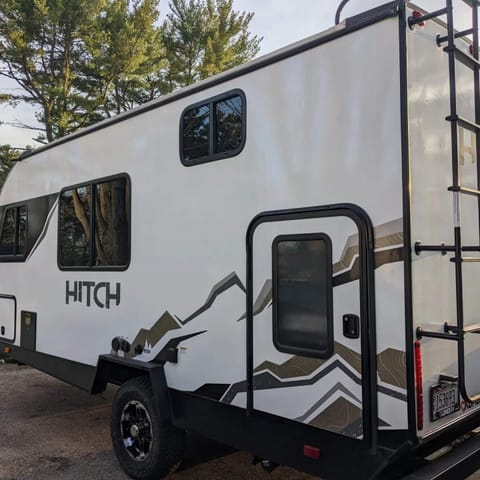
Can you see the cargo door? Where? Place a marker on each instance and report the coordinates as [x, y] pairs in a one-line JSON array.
[[310, 317]]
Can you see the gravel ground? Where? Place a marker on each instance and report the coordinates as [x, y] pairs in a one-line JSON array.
[[52, 431]]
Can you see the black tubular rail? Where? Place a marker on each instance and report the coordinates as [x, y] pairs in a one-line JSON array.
[[457, 332], [444, 38], [412, 21]]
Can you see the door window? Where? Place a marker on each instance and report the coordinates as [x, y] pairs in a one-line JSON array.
[[302, 295]]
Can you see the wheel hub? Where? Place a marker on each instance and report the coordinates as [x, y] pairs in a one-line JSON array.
[[136, 430]]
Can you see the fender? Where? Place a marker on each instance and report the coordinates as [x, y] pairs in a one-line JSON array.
[[118, 370]]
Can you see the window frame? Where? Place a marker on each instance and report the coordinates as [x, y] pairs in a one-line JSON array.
[[291, 349], [99, 268], [15, 257], [211, 102]]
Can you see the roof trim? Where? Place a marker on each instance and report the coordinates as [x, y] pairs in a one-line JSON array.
[[349, 25]]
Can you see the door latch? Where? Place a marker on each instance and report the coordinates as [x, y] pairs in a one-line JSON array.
[[351, 326]]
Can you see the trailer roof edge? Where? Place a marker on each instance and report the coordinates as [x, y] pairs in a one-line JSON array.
[[349, 25]]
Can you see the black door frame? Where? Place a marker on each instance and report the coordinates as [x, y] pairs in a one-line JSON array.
[[367, 301]]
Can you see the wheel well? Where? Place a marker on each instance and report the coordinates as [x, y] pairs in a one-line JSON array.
[[118, 370]]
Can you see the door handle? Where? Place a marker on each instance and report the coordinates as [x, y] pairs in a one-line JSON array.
[[351, 325]]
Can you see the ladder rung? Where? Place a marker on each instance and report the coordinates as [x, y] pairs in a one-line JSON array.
[[472, 329], [465, 190], [463, 122], [465, 259], [464, 33], [463, 57], [412, 21], [444, 248]]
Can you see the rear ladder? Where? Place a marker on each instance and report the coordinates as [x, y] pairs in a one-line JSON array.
[[457, 332]]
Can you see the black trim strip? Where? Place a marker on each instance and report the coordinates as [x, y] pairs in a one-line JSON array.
[[74, 373], [407, 236], [353, 24]]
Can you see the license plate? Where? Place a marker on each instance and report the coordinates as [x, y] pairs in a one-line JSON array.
[[444, 400]]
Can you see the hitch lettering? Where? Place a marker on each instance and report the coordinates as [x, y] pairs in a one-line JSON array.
[[102, 293]]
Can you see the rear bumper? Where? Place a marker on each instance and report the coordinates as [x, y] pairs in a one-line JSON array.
[[452, 463]]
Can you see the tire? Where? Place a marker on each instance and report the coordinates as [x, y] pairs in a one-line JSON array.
[[146, 447]]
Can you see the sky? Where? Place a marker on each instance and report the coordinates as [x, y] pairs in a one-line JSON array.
[[279, 22]]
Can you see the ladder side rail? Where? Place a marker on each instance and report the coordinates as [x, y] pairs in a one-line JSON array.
[[476, 79], [456, 205], [455, 164], [476, 75]]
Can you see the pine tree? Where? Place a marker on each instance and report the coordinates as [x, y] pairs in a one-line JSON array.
[[205, 37], [80, 61], [8, 155], [227, 40], [69, 55]]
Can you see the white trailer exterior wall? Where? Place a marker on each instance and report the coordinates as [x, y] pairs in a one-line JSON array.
[[319, 132]]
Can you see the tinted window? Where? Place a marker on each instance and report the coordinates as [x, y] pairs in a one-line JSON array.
[[100, 210], [213, 130], [22, 230], [302, 295], [111, 223], [7, 239], [196, 128], [74, 227], [14, 232], [228, 124]]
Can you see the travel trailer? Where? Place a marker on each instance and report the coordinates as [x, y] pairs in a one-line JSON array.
[[270, 258]]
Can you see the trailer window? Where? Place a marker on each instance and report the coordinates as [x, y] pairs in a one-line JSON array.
[[228, 124], [14, 232], [94, 225], [196, 126], [74, 227], [302, 295], [111, 223], [22, 230], [7, 241], [214, 129]]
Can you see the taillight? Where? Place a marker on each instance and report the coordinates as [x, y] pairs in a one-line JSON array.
[[419, 383]]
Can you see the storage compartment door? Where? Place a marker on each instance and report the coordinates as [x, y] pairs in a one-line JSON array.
[[8, 308]]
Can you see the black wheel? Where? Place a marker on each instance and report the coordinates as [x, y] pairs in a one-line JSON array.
[[147, 447]]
